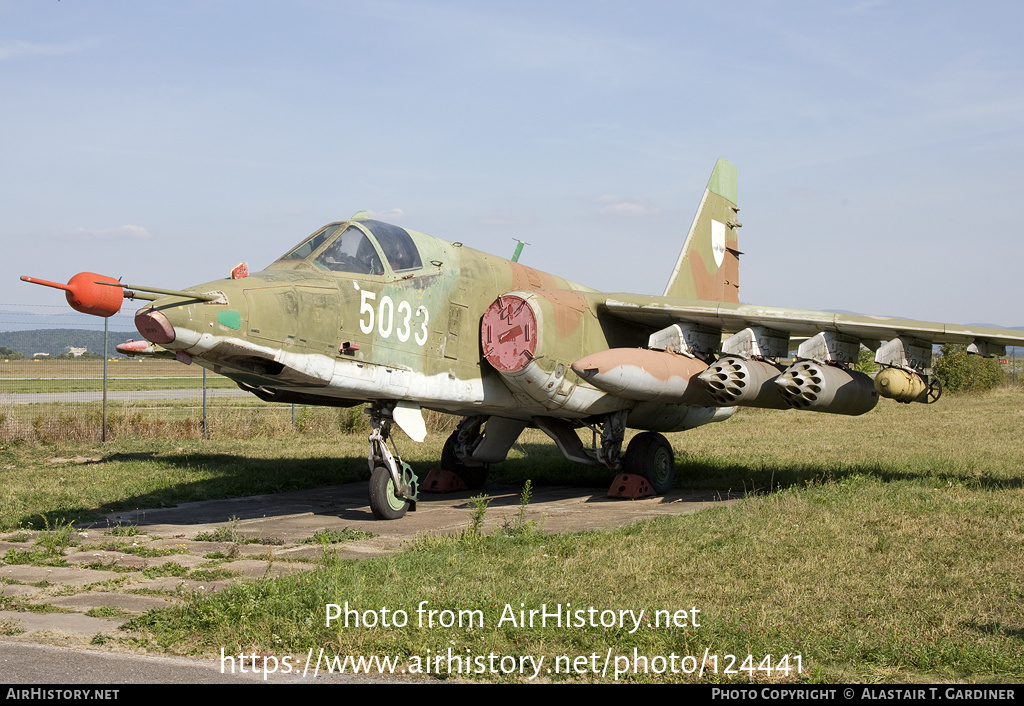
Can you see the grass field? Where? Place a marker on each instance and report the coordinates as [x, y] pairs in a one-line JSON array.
[[60, 368], [883, 548], [55, 375]]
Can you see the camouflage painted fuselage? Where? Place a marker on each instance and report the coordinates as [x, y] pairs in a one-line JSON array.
[[300, 332]]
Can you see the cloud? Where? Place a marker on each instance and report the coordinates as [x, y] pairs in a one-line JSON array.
[[127, 232], [389, 215], [504, 218], [17, 49], [616, 206]]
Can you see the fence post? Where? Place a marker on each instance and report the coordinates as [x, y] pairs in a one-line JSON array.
[[205, 428], [106, 326]]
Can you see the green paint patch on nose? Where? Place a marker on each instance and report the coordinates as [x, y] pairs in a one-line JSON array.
[[230, 318]]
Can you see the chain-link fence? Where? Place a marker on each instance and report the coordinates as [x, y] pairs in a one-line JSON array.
[[53, 366], [55, 375]]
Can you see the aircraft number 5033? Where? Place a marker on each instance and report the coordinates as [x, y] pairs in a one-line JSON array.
[[385, 315]]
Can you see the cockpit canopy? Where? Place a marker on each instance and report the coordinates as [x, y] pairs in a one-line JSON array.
[[358, 247]]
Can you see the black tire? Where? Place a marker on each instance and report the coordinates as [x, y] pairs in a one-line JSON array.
[[650, 455], [383, 503], [473, 476]]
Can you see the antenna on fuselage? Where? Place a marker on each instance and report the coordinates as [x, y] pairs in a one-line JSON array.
[[519, 249]]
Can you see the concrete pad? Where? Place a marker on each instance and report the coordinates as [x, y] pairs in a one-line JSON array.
[[294, 516], [65, 575], [256, 569], [16, 589], [287, 520], [64, 623], [106, 558], [130, 603], [175, 585]]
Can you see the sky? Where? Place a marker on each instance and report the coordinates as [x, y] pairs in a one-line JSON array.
[[879, 145]]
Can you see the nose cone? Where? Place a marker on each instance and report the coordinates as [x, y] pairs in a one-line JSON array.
[[154, 326], [179, 321]]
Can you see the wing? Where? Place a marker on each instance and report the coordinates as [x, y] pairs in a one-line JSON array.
[[800, 324], [732, 352]]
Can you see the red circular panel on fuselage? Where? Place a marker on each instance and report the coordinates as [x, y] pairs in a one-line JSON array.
[[508, 334]]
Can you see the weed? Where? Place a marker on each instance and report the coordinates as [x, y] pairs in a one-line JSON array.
[[112, 566], [10, 628], [170, 568], [479, 504], [44, 609], [144, 550], [270, 561], [58, 539], [227, 534], [519, 526], [220, 534], [125, 531], [34, 557], [352, 421], [337, 536], [216, 574], [105, 611]]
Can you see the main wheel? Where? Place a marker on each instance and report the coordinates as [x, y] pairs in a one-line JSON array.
[[383, 501], [650, 455], [473, 476]]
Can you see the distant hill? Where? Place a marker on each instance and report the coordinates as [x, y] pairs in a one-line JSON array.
[[56, 341]]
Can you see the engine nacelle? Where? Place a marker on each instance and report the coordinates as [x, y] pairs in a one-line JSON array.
[[808, 385]]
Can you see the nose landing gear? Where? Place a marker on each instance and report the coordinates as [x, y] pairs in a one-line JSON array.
[[393, 485]]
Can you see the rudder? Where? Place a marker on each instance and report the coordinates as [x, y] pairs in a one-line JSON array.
[[708, 264]]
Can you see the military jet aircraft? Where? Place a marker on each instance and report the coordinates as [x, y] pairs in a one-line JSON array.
[[362, 311]]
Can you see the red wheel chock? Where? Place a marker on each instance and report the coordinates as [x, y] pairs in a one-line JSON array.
[[441, 481], [630, 486]]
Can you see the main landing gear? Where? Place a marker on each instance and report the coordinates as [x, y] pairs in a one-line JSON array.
[[393, 485], [648, 455], [457, 450]]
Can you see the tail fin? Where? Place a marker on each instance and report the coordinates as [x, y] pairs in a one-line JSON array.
[[708, 267]]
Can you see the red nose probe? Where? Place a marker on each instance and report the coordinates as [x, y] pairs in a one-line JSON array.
[[88, 293]]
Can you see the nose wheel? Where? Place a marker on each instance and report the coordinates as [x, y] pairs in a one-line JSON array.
[[384, 502], [393, 485]]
